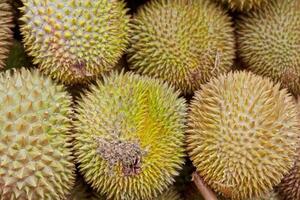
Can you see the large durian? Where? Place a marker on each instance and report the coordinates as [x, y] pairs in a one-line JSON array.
[[129, 140], [242, 134], [183, 42], [75, 41], [243, 5], [289, 188], [36, 161], [6, 34], [269, 40]]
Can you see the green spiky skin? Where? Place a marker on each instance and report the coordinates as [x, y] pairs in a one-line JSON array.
[[289, 187], [36, 161], [75, 41], [6, 34], [243, 5], [82, 191], [170, 194], [17, 57], [183, 42], [242, 134], [128, 108], [268, 42]]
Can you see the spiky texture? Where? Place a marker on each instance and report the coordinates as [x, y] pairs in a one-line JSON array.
[[289, 188], [269, 39], [6, 34], [82, 191], [183, 42], [243, 5], [75, 41], [170, 194], [242, 134], [36, 161], [129, 139]]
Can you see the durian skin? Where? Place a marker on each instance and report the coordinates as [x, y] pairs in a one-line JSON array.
[[6, 34], [243, 5], [138, 108], [289, 188], [242, 134], [268, 42], [183, 42], [75, 41], [36, 160]]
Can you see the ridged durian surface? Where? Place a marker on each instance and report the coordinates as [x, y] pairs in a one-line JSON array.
[[269, 41], [6, 34], [242, 134], [36, 162], [183, 42], [289, 188], [75, 41], [243, 5], [129, 140]]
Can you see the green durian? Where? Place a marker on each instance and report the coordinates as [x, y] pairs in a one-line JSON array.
[[129, 136], [183, 42], [269, 40], [36, 160], [75, 41], [242, 134]]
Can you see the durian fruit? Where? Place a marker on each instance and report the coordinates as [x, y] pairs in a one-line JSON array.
[[75, 41], [82, 191], [243, 5], [269, 40], [36, 160], [170, 194], [183, 42], [6, 34], [289, 188], [242, 134], [130, 135]]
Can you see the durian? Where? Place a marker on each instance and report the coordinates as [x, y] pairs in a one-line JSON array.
[[82, 191], [6, 34], [242, 134], [36, 162], [289, 188], [75, 41], [243, 5], [183, 42], [269, 40], [130, 135]]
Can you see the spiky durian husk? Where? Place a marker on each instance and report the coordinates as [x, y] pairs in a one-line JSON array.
[[289, 188], [137, 111], [36, 161], [269, 40], [6, 34], [170, 194], [82, 191], [183, 42], [242, 134], [243, 5], [75, 41]]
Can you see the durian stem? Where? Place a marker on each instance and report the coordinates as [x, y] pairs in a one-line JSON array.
[[206, 192]]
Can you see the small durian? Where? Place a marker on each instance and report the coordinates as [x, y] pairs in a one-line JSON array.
[[183, 42], [36, 160], [82, 191], [289, 188], [242, 134], [6, 34], [129, 136], [268, 42], [170, 194], [75, 41], [243, 5]]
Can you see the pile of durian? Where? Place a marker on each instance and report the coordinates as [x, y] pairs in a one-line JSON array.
[[126, 99]]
